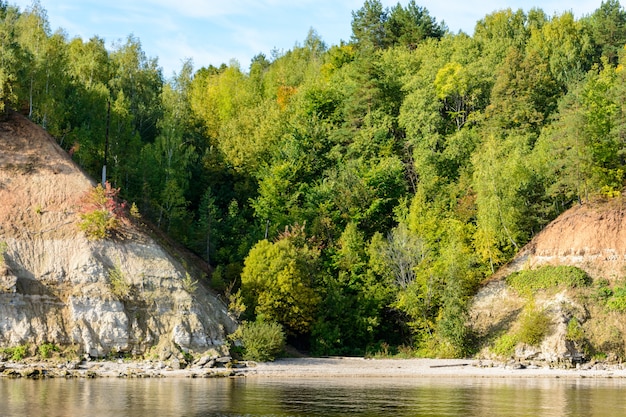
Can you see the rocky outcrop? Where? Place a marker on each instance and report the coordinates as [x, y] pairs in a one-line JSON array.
[[591, 237], [121, 295]]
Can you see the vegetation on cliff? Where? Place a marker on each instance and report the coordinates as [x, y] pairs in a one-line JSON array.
[[358, 193]]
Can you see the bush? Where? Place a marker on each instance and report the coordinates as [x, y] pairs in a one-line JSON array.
[[617, 300], [16, 353], [119, 286], [534, 327], [530, 281], [45, 350], [505, 345], [100, 212], [262, 341]]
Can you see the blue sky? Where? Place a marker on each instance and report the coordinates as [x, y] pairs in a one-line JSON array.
[[212, 32]]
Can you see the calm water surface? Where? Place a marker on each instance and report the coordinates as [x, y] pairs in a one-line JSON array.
[[313, 397]]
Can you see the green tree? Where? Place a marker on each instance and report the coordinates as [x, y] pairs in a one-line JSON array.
[[277, 283], [608, 30], [10, 57], [350, 317], [368, 25], [411, 25]]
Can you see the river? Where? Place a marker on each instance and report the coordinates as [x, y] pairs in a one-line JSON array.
[[184, 397]]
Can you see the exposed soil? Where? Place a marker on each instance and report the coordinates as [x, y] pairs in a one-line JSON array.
[[39, 183], [591, 236]]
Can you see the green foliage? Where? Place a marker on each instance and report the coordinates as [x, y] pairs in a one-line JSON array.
[[120, 287], [97, 224], [546, 277], [3, 250], [418, 160], [277, 282], [262, 341], [45, 350], [617, 300], [575, 331], [504, 346], [16, 353], [189, 284], [534, 326], [101, 214]]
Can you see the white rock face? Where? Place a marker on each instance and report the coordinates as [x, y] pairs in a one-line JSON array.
[[62, 293]]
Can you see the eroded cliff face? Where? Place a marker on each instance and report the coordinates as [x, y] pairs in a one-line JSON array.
[[125, 294], [591, 237]]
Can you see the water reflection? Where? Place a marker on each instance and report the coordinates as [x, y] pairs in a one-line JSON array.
[[312, 397]]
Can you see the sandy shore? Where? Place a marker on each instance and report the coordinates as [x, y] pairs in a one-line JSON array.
[[307, 368], [399, 368]]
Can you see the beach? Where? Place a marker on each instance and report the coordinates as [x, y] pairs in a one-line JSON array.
[[340, 367]]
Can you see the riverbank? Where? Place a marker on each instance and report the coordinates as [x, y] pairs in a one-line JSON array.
[[307, 368]]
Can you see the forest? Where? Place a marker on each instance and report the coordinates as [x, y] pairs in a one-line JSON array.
[[355, 194]]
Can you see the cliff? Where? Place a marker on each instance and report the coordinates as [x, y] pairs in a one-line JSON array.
[[100, 297], [583, 321]]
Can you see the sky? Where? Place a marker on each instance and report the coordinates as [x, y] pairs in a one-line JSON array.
[[212, 32]]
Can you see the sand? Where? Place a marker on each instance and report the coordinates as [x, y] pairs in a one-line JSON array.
[[401, 368], [309, 368]]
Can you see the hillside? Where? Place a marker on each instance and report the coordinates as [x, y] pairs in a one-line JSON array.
[[583, 321], [123, 295]]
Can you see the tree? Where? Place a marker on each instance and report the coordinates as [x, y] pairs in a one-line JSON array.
[[140, 80], [410, 26], [608, 30], [368, 25], [403, 253], [277, 283], [500, 178], [10, 57]]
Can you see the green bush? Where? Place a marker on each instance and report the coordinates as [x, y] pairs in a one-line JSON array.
[[262, 341], [45, 350], [617, 300], [100, 212], [530, 281], [189, 284], [602, 290], [119, 286], [534, 326], [97, 224], [505, 345], [16, 353]]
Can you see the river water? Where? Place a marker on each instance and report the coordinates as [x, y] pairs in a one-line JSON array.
[[180, 397]]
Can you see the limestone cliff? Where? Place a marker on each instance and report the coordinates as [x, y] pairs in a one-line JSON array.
[[57, 286]]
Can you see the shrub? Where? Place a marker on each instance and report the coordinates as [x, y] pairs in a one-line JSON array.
[[530, 281], [100, 212], [16, 353], [617, 300], [602, 290], [189, 284], [45, 350], [119, 286], [533, 327], [262, 341], [3, 249], [505, 345]]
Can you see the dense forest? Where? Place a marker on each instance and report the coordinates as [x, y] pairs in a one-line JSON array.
[[356, 194]]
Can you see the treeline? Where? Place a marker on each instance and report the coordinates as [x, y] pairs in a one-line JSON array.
[[356, 193]]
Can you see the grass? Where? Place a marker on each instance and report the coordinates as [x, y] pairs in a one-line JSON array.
[[528, 282]]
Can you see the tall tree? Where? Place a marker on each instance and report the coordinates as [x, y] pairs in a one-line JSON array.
[[10, 57]]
